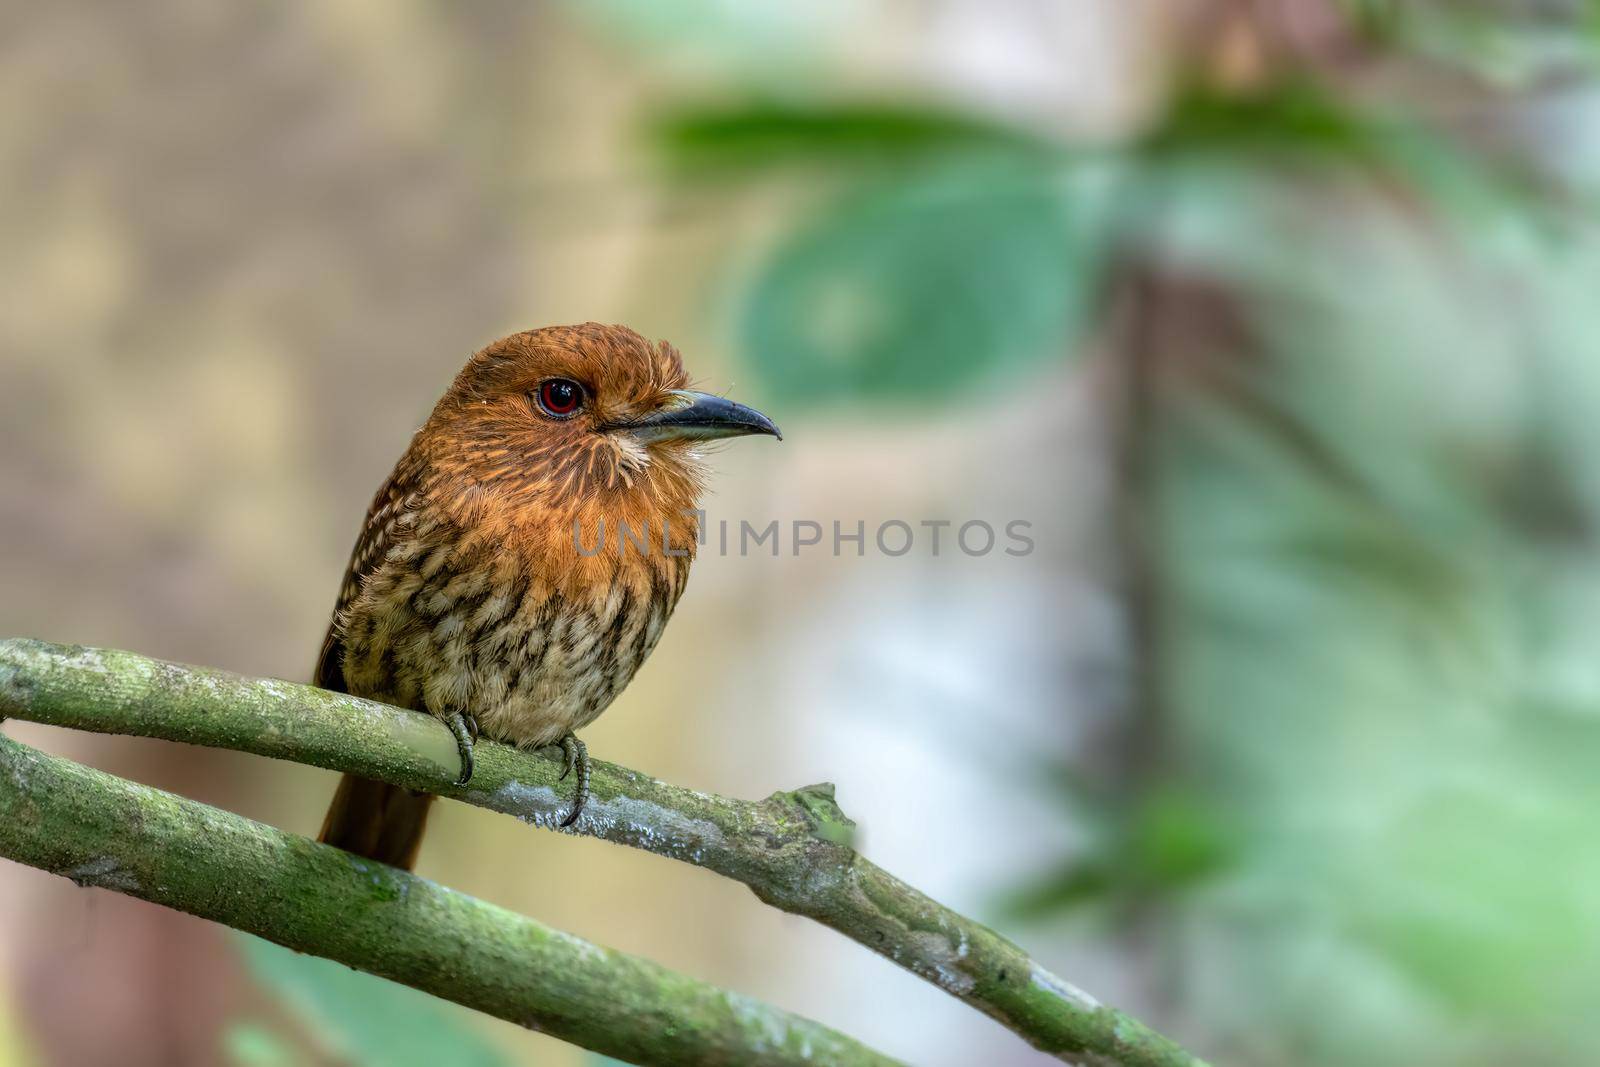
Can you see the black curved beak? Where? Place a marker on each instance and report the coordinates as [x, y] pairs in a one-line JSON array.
[[692, 416]]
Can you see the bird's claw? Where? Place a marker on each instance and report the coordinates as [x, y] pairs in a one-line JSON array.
[[465, 729], [576, 755]]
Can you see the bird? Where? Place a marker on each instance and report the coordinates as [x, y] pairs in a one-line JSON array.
[[501, 580]]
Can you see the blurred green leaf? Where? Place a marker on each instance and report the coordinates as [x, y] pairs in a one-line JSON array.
[[248, 1044], [366, 1019], [1299, 127], [1170, 843], [1292, 117], [914, 289], [1087, 880], [1487, 936], [768, 134], [1177, 841], [1509, 43]]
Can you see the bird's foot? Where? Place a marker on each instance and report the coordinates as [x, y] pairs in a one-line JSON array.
[[576, 754], [465, 729]]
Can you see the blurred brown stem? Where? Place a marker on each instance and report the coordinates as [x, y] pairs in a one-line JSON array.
[[792, 849]]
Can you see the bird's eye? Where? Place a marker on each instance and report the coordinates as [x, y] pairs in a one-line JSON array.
[[560, 397]]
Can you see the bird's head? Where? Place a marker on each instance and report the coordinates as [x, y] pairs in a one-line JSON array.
[[582, 422]]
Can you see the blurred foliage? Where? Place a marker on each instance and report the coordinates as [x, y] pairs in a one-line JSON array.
[[1296, 117], [895, 292], [1168, 842], [779, 134], [1373, 504], [960, 250], [248, 1044], [1371, 637], [1507, 42], [360, 1018]]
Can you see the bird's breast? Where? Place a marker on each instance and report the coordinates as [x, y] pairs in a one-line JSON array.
[[450, 623]]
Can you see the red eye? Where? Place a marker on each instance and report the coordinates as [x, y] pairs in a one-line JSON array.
[[560, 397]]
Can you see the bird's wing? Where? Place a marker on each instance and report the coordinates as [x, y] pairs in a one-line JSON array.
[[377, 532]]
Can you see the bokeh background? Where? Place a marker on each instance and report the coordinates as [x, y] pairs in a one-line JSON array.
[[1277, 320]]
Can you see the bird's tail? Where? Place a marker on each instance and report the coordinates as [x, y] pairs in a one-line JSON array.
[[377, 820]]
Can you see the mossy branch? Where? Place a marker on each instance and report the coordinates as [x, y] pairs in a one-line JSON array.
[[100, 830], [793, 848]]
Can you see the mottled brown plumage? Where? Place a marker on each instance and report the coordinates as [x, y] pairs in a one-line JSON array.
[[467, 595]]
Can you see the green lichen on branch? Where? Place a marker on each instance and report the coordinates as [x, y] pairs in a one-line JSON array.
[[793, 849], [99, 830], [828, 822]]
